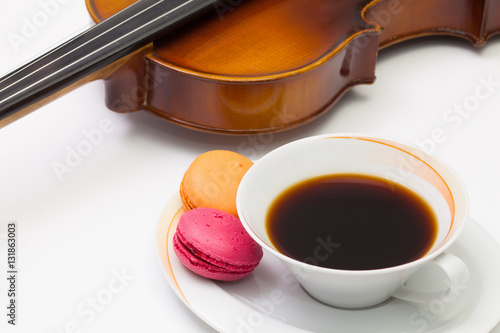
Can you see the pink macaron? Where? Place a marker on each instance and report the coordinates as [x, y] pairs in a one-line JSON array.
[[215, 245]]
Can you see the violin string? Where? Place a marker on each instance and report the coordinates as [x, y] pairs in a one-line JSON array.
[[93, 49], [103, 47], [49, 53]]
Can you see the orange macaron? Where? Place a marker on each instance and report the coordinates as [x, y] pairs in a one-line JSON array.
[[212, 180]]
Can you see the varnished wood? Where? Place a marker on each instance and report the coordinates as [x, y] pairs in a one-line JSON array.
[[253, 66], [401, 20], [268, 65]]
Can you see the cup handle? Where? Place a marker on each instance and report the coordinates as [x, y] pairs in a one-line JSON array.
[[456, 273]]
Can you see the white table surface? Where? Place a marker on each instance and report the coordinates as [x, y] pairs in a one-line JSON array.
[[78, 231]]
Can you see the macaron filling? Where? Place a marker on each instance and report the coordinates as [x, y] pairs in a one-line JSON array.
[[211, 260], [203, 267]]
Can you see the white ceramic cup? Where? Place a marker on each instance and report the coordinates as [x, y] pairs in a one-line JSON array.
[[359, 154]]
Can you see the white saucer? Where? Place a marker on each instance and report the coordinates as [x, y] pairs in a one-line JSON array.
[[270, 300]]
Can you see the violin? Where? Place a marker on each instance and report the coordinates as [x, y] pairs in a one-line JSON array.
[[235, 66]]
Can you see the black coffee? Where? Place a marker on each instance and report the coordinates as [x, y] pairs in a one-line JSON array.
[[351, 222]]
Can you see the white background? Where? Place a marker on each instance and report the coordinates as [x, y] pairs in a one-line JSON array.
[[76, 233]]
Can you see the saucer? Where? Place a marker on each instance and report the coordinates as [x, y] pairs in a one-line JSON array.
[[270, 299]]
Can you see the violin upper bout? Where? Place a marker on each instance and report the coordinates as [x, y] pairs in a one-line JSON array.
[[265, 66]]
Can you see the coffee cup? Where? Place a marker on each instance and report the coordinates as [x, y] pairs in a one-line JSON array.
[[387, 160]]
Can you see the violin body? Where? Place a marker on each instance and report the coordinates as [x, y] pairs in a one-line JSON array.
[[265, 65], [236, 66]]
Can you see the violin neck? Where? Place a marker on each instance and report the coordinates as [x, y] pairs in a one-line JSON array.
[[73, 62]]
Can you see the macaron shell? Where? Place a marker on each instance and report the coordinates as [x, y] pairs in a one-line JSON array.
[[188, 205], [203, 268], [212, 180], [219, 238]]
